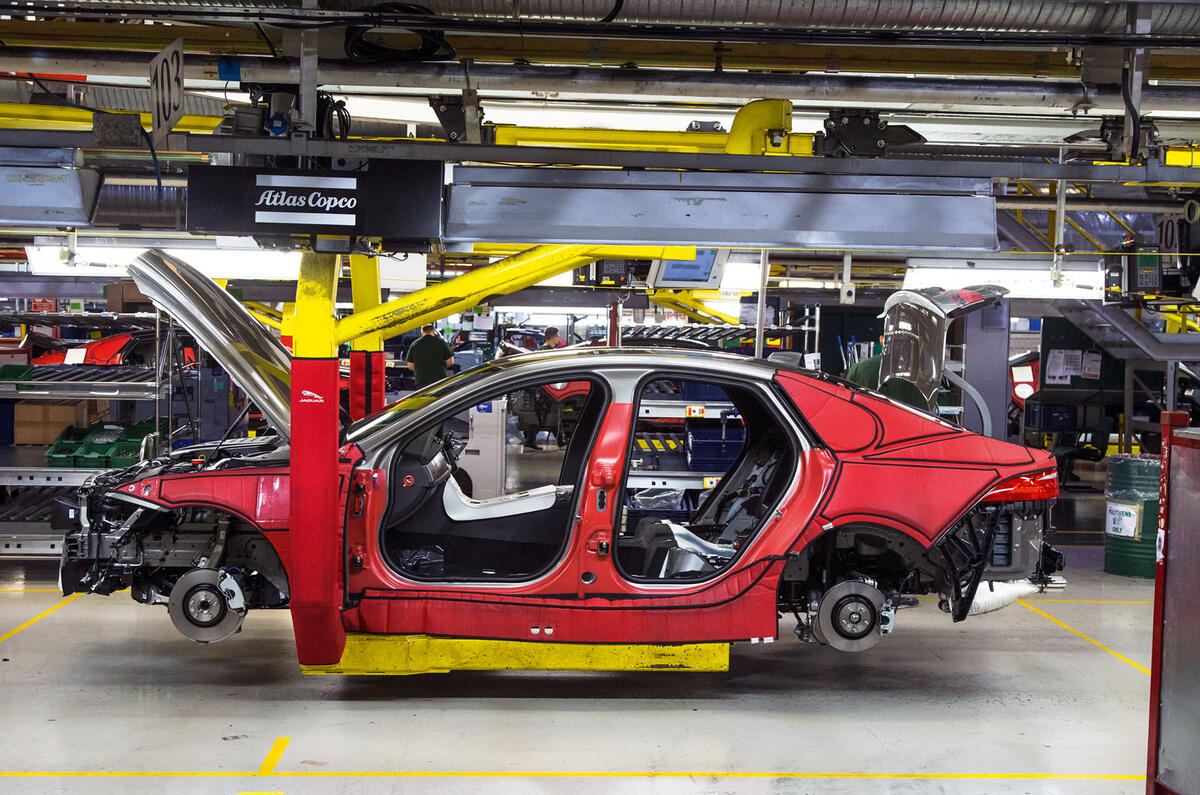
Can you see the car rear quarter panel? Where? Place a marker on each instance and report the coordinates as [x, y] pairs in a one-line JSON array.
[[896, 467]]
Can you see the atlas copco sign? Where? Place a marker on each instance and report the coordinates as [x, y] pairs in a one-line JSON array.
[[297, 199], [390, 199]]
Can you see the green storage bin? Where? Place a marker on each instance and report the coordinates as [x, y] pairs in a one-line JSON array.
[[96, 449], [1131, 526], [124, 453], [139, 430], [16, 372], [62, 452]]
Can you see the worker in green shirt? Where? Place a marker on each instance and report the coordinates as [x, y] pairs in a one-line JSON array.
[[428, 357]]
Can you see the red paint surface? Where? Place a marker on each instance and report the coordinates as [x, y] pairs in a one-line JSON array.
[[366, 383], [103, 351], [1170, 421], [315, 507], [886, 465], [913, 474]]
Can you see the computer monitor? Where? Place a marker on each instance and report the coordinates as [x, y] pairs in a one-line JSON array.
[[704, 272]]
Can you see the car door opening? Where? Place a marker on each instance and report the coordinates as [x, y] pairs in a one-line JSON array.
[[726, 460], [474, 496]]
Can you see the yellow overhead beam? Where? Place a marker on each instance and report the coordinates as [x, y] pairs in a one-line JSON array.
[[761, 127], [504, 276], [690, 304], [263, 309], [14, 115], [266, 320]]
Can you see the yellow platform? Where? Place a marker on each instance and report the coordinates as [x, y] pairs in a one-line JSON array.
[[422, 654]]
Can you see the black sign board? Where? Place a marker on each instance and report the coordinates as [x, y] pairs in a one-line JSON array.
[[394, 199]]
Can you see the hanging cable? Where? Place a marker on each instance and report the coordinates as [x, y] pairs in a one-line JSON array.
[[611, 15], [434, 46], [262, 32], [330, 110]]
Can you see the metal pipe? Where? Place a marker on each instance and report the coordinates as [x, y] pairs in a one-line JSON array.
[[1087, 205], [829, 90], [948, 15], [760, 320]]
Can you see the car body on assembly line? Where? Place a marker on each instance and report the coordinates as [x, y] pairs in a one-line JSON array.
[[833, 504]]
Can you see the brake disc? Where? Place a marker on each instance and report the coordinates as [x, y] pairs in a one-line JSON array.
[[207, 605], [848, 616]]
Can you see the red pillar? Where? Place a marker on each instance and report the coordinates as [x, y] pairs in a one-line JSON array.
[[614, 324], [366, 383]]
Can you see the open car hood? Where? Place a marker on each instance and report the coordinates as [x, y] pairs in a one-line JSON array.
[[256, 361]]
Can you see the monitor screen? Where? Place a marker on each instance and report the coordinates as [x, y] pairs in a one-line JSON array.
[[698, 270]]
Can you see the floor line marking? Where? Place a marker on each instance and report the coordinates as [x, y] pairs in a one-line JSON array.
[[1096, 643], [31, 590], [578, 774], [277, 748], [1092, 601], [40, 616]]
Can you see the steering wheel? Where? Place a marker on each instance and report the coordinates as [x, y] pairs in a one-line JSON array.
[[451, 445]]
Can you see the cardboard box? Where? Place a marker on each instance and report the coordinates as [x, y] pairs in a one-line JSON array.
[[124, 296], [40, 422]]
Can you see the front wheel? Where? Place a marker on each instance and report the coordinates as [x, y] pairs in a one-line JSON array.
[[207, 605]]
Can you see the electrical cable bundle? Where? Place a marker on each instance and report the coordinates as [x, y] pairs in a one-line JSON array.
[[434, 46]]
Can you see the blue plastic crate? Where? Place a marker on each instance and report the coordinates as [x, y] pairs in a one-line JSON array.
[[713, 449], [699, 390]]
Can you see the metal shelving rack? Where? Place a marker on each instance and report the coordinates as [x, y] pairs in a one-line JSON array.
[[25, 515]]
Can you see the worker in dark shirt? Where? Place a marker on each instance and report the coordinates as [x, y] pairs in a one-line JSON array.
[[428, 357], [552, 340]]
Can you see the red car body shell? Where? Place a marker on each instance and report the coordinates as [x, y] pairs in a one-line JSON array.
[[872, 462], [106, 350]]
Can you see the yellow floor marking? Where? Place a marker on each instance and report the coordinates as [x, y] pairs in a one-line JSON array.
[[277, 749], [1096, 643], [40, 616], [585, 774], [1091, 601]]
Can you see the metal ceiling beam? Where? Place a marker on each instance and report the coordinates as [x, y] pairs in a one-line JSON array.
[[826, 89], [967, 24], [572, 51], [1152, 171]]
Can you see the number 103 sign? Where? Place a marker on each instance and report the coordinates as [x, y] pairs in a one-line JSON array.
[[166, 92]]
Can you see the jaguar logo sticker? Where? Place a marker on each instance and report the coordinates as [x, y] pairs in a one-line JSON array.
[[308, 396]]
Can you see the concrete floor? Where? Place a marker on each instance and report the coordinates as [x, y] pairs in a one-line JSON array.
[[1008, 702]]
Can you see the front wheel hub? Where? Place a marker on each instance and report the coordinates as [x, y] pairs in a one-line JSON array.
[[206, 605]]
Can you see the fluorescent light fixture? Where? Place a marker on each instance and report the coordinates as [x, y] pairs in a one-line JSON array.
[[741, 277], [214, 263], [1079, 279], [806, 284]]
